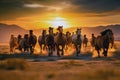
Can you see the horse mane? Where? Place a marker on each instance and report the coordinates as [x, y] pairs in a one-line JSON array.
[[105, 31]]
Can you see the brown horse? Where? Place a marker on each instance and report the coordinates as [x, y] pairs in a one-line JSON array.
[[92, 41], [103, 41], [32, 41], [76, 39], [42, 41], [85, 41], [13, 44], [69, 39], [26, 45], [60, 41], [50, 41]]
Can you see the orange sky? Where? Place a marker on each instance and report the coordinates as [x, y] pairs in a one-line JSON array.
[[36, 14]]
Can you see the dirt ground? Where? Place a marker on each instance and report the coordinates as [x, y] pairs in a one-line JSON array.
[[84, 67]]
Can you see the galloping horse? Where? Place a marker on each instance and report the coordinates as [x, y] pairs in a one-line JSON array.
[[20, 42], [16, 43], [32, 41], [60, 41], [92, 41], [85, 41], [103, 41], [42, 40], [26, 43], [50, 41], [13, 44], [76, 39], [69, 39]]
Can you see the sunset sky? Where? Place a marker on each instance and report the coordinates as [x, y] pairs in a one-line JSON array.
[[35, 14]]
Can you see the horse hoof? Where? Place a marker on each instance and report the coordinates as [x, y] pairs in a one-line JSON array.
[[77, 55], [99, 57]]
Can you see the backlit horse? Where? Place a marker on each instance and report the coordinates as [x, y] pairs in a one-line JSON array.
[[13, 44], [77, 41], [42, 41], [50, 41], [69, 39], [32, 41], [85, 41], [26, 45], [60, 41], [103, 41]]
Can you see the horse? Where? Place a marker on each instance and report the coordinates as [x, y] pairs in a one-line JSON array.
[[77, 41], [69, 39], [50, 41], [103, 41], [42, 41], [60, 41], [92, 41], [26, 45], [13, 44], [85, 41], [20, 42], [32, 41], [16, 43]]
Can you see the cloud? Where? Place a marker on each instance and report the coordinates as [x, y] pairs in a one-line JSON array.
[[43, 6], [11, 9], [33, 5], [96, 6]]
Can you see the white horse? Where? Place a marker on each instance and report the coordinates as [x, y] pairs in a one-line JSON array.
[[77, 41]]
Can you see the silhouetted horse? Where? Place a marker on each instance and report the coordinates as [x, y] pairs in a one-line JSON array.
[[92, 41], [60, 41], [32, 41], [26, 45], [50, 41], [13, 44], [103, 41], [42, 41], [20, 42], [76, 39], [69, 39], [85, 41]]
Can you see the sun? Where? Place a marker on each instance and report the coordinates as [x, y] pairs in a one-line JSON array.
[[58, 21]]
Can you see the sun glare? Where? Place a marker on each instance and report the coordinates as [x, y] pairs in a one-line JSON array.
[[58, 21]]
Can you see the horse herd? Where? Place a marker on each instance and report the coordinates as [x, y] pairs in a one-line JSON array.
[[60, 40]]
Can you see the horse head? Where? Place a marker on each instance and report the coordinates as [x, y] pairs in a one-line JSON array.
[[51, 30], [108, 33], [44, 33], [78, 32]]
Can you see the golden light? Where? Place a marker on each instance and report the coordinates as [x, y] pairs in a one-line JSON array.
[[58, 21]]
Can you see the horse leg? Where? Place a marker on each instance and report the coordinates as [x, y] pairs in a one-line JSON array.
[[105, 52], [40, 48], [79, 50], [76, 47], [58, 50], [31, 50], [49, 51], [62, 50], [98, 53]]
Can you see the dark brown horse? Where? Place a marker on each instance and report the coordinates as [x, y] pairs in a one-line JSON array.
[[60, 41], [103, 41], [85, 41], [32, 41], [50, 41], [69, 39], [26, 43], [42, 41]]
